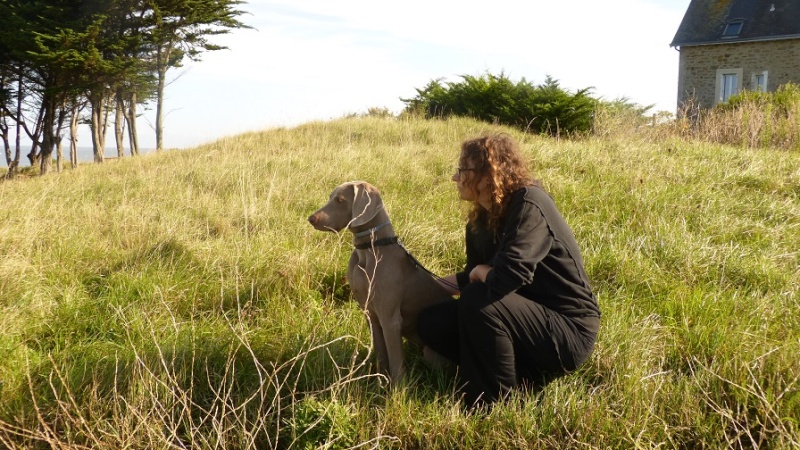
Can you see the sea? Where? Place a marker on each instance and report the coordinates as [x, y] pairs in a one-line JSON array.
[[85, 155]]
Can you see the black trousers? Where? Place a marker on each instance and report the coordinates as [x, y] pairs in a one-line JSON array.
[[501, 344]]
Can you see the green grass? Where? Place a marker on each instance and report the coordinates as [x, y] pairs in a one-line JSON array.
[[182, 300]]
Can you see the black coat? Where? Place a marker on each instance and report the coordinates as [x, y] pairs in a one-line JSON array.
[[533, 253]]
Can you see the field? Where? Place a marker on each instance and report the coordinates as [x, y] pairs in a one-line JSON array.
[[181, 300]]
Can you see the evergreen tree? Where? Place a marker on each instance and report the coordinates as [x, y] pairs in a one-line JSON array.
[[181, 29], [108, 53]]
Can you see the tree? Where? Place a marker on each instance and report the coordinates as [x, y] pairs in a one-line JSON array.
[[51, 49], [49, 68], [130, 24], [57, 56], [181, 30], [16, 76], [63, 59]]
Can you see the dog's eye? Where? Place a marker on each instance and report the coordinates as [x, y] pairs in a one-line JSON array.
[[339, 198]]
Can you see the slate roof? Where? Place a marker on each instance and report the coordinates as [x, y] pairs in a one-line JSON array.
[[705, 21]]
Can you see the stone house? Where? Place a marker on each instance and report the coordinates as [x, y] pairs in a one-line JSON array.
[[729, 45]]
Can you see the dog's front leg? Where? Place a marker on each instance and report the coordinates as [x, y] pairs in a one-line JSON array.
[[379, 344], [392, 335]]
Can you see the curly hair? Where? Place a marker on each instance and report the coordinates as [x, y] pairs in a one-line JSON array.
[[499, 157]]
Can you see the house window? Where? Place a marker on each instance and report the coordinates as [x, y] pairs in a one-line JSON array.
[[729, 83], [732, 29], [759, 81]]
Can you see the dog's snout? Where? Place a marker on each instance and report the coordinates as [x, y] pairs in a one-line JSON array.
[[313, 219]]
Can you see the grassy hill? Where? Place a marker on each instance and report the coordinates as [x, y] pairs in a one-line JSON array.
[[182, 300]]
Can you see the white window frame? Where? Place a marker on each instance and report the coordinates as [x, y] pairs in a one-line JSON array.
[[720, 95], [754, 81]]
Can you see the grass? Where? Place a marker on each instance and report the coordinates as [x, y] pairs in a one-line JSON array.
[[181, 299]]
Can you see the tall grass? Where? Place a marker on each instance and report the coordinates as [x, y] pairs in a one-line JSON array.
[[749, 119], [181, 300]]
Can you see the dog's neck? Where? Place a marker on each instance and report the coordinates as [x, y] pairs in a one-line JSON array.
[[380, 227], [371, 231]]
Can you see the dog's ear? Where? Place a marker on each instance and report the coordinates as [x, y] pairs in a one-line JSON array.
[[367, 204]]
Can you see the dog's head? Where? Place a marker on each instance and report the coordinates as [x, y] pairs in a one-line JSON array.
[[351, 205]]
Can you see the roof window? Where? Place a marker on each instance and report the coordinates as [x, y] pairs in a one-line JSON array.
[[732, 29]]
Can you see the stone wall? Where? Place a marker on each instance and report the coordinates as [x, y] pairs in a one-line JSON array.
[[697, 71]]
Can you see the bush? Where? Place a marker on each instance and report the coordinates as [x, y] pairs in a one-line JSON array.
[[752, 119], [546, 108]]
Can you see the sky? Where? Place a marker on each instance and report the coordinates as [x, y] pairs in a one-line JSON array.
[[321, 59]]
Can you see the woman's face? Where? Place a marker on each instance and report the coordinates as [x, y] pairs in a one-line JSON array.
[[468, 181]]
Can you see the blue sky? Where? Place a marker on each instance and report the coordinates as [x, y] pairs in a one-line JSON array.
[[321, 59]]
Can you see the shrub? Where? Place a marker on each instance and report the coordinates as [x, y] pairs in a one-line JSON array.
[[546, 108]]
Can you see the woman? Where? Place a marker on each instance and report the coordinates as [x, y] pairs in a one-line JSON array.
[[526, 313]]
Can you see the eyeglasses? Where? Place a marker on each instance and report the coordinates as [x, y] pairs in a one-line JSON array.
[[460, 171]]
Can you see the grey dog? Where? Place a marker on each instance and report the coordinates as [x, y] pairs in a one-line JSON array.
[[388, 283]]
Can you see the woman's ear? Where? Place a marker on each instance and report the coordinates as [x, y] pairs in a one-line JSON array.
[[367, 204]]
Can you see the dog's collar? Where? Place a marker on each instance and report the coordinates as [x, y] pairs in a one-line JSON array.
[[371, 230], [378, 243]]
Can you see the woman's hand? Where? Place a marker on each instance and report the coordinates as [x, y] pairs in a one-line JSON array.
[[479, 273]]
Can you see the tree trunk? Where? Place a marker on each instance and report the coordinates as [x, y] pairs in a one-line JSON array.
[[46, 156], [130, 118], [98, 133], [35, 155], [13, 163], [59, 156], [119, 124], [58, 136], [162, 75], [73, 136], [48, 125], [4, 123], [5, 134], [12, 169]]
